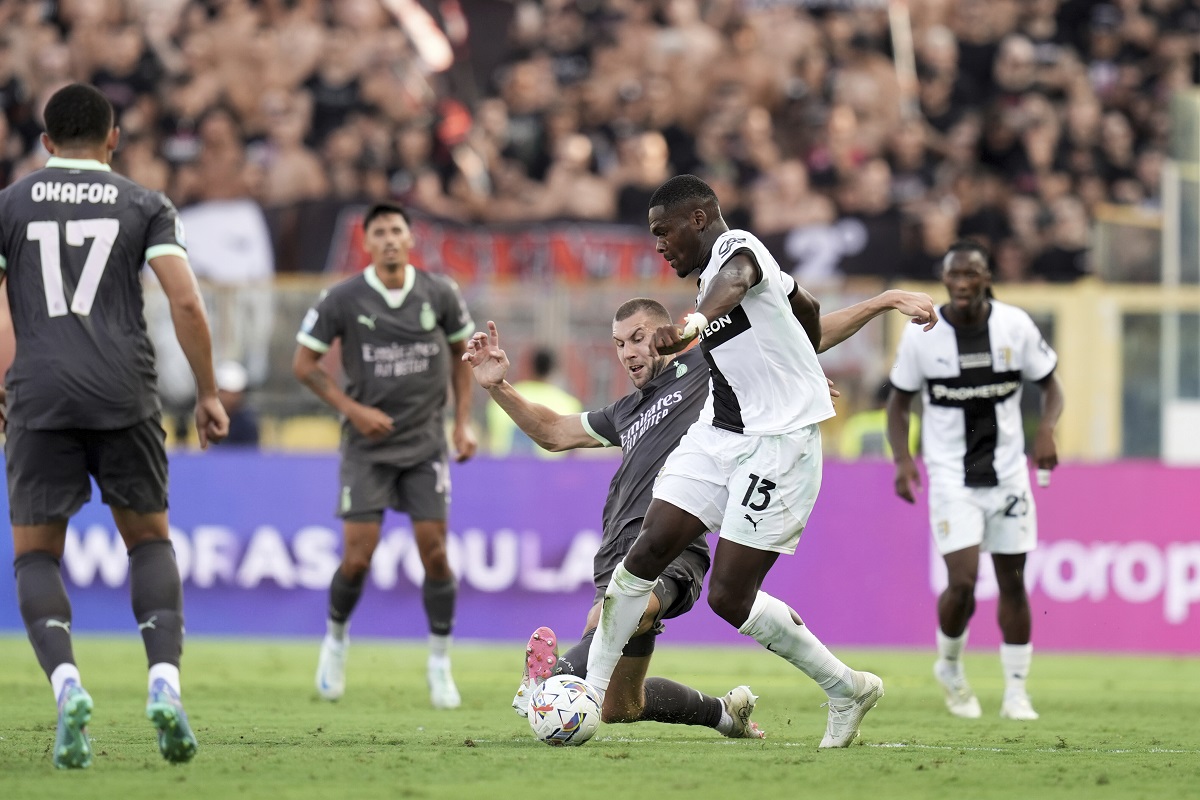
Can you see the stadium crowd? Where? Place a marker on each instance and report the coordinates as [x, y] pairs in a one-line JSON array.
[[1019, 117]]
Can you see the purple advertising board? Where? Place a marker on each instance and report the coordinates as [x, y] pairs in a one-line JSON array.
[[1118, 568]]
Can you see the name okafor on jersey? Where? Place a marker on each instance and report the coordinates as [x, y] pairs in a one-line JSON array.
[[765, 375], [647, 425], [73, 239], [395, 355], [970, 379]]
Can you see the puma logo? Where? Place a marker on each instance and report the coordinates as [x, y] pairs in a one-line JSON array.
[[368, 321], [58, 623], [753, 522], [148, 625]]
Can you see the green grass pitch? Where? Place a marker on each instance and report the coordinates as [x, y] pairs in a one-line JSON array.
[[1111, 727]]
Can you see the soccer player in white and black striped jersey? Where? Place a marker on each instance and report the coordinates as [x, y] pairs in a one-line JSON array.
[[970, 373], [750, 466]]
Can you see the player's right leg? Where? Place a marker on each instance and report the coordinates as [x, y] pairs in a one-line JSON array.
[[666, 532], [957, 520], [48, 483], [360, 535]]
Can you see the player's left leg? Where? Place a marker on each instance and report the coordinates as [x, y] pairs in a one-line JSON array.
[[130, 467], [1016, 653], [439, 594], [1011, 533]]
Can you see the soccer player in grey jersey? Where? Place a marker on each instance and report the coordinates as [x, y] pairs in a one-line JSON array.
[[646, 424], [81, 399], [402, 331]]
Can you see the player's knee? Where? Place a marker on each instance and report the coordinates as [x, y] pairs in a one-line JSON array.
[[730, 606], [354, 566], [961, 587]]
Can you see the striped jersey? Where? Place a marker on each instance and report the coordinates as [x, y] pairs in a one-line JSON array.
[[970, 379], [764, 373], [73, 239]]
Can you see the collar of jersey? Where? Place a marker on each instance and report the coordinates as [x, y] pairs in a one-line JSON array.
[[376, 283], [78, 163]]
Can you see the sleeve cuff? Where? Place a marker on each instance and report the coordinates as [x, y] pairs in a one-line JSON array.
[[592, 431], [165, 250], [312, 343], [461, 333]]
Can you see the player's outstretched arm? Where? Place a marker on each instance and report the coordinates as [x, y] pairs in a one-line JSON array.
[[552, 431], [191, 329], [838, 326], [370, 422], [908, 479]]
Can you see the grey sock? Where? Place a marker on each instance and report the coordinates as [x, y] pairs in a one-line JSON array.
[[439, 598], [157, 596], [674, 703], [45, 608], [344, 594]]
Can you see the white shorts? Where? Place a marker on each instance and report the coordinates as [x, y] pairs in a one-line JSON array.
[[1000, 519], [757, 490]]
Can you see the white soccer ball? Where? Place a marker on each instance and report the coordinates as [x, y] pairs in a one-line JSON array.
[[564, 711]]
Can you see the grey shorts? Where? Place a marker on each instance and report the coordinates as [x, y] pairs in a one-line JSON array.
[[48, 470], [677, 589], [422, 491]]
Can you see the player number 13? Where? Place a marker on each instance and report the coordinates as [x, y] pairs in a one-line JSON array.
[[102, 232], [758, 486]]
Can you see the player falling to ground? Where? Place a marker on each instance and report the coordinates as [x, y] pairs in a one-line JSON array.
[[82, 399], [750, 466], [647, 424], [969, 372], [402, 331]]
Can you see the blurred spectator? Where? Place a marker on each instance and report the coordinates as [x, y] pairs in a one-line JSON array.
[[1067, 257], [504, 438], [232, 383]]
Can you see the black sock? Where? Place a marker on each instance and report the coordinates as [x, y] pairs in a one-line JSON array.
[[574, 661], [439, 598], [674, 703], [343, 595], [157, 597], [45, 608]]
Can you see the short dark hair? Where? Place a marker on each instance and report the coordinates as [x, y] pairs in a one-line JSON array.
[[544, 361], [652, 307], [78, 114], [971, 246], [682, 189], [381, 210]]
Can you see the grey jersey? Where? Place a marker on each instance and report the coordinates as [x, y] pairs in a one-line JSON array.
[[647, 425], [396, 356], [73, 239]]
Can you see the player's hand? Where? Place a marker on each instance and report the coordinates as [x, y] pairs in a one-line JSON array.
[[489, 364], [465, 443], [834, 394], [212, 423], [669, 339], [370, 422], [1045, 452], [908, 480], [917, 305]]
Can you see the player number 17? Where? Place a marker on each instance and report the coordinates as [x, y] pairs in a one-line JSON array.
[[102, 232]]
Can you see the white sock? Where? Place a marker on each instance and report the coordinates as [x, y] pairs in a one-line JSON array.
[[1015, 659], [336, 630], [624, 604], [725, 726], [439, 646], [771, 624], [950, 649], [168, 672], [59, 677]]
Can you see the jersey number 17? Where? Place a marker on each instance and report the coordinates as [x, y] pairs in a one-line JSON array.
[[102, 232]]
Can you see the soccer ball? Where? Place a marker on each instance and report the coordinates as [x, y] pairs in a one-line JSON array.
[[564, 711]]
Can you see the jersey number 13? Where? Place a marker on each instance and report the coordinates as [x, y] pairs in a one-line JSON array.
[[102, 232]]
